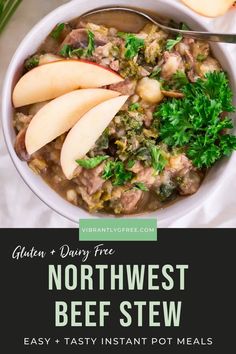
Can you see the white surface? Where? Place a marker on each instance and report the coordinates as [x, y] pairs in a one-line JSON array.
[[20, 208]]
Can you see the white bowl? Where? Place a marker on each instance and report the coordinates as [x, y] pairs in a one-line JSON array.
[[167, 8]]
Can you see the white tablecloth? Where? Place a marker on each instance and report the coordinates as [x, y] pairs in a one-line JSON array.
[[19, 207]]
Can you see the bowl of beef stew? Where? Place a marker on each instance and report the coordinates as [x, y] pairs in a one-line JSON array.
[[106, 116]]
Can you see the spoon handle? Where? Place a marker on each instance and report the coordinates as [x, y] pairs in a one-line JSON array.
[[207, 36]]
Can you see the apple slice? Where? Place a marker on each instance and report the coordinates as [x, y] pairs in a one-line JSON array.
[[51, 80], [61, 114], [209, 8], [86, 132]]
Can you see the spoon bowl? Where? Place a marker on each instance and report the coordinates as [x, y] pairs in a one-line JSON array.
[[166, 25]]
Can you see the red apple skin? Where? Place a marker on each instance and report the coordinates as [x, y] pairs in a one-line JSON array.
[[42, 83], [101, 66], [83, 61]]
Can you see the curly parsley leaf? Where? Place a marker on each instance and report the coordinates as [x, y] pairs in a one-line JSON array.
[[171, 43], [158, 160], [196, 122], [91, 162], [217, 87], [133, 44], [56, 33], [179, 79], [176, 82], [116, 171]]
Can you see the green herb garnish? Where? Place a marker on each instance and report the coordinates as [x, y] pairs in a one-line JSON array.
[[91, 44], [196, 123], [134, 107], [171, 43], [91, 162], [156, 74], [141, 186], [158, 160], [201, 57], [179, 79], [184, 27], [32, 62], [68, 52], [176, 82], [117, 172], [57, 31], [79, 52], [133, 44], [130, 163]]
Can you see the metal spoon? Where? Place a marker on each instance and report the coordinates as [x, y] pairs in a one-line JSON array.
[[207, 36]]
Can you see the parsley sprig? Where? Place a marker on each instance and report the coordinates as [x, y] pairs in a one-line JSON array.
[[91, 162], [176, 82], [171, 43], [116, 171], [56, 32], [158, 159], [67, 50], [133, 44], [196, 123]]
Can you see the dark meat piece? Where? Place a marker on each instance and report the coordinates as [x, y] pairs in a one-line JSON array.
[[91, 179], [130, 199], [78, 38], [112, 148], [179, 165], [126, 87], [147, 176], [115, 65], [20, 146], [173, 62]]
